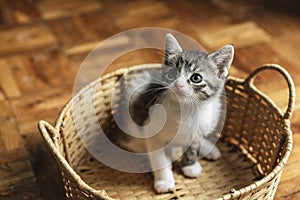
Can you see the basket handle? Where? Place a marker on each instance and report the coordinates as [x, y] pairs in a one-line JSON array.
[[48, 131], [50, 134], [291, 101], [52, 138]]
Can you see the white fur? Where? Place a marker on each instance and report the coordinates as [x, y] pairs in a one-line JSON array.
[[209, 150], [185, 122], [163, 178], [192, 171]]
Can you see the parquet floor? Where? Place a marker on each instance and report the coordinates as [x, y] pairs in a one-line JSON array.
[[43, 42]]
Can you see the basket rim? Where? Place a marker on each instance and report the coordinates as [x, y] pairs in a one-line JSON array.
[[237, 193], [64, 163]]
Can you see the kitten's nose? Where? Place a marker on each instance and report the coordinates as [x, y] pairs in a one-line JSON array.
[[178, 85]]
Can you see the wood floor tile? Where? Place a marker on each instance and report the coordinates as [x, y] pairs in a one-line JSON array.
[[284, 46], [132, 13], [19, 12], [2, 97], [289, 187], [272, 19], [203, 20], [40, 69], [31, 108], [240, 36], [79, 30], [97, 27], [25, 38], [8, 82], [295, 119], [65, 31], [137, 57], [17, 177], [237, 72], [14, 168], [277, 23], [51, 9], [45, 42], [2, 144], [95, 64], [83, 48], [9, 131], [257, 55]]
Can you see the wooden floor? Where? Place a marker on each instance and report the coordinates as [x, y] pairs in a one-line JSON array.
[[43, 42]]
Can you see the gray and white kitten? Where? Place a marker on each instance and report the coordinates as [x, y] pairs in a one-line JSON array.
[[189, 86]]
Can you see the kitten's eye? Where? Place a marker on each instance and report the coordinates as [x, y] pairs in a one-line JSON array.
[[196, 78], [172, 74]]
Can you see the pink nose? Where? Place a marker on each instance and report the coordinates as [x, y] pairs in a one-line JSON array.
[[178, 85]]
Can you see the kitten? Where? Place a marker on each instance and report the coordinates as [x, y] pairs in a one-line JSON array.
[[189, 87]]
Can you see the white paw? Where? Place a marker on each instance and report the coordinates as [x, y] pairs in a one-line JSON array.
[[214, 154], [193, 170], [163, 186]]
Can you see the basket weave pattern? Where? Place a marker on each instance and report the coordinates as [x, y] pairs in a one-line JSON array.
[[256, 143]]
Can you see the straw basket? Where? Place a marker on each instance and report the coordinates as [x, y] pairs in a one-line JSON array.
[[256, 143]]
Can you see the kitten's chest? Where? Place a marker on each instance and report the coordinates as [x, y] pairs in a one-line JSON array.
[[192, 120], [184, 124]]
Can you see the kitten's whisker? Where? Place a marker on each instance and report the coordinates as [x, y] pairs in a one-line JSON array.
[[161, 53], [155, 100], [225, 97], [153, 90]]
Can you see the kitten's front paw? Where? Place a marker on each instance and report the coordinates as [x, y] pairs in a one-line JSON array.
[[214, 154], [163, 186], [192, 171]]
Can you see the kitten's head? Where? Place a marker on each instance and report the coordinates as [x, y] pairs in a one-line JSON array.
[[195, 75]]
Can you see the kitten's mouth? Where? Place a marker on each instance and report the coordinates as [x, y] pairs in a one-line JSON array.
[[180, 94]]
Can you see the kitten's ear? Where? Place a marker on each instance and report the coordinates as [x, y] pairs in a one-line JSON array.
[[223, 59], [172, 46]]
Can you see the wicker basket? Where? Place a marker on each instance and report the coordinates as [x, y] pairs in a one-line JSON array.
[[256, 143]]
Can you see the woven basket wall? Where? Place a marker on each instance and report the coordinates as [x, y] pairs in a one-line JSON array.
[[256, 143]]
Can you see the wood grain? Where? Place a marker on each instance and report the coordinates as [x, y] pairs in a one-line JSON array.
[[241, 35], [43, 44], [9, 130], [51, 9], [19, 12], [25, 38], [8, 81]]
